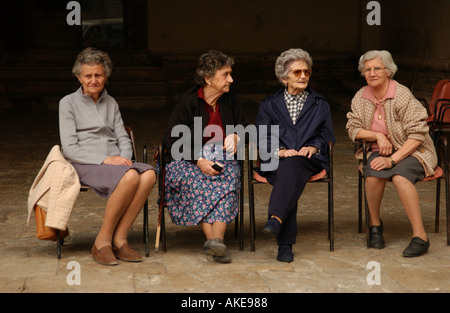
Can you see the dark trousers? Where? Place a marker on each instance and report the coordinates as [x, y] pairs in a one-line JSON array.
[[288, 182]]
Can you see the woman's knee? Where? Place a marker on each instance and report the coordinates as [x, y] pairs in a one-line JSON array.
[[148, 177], [131, 178], [400, 181]]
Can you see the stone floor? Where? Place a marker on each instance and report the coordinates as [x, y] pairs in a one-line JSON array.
[[29, 265]]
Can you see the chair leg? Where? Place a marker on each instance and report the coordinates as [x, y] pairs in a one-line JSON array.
[[239, 220], [236, 225], [367, 218], [58, 244], [360, 201], [163, 232], [447, 201], [447, 186], [438, 205], [241, 212], [331, 215], [146, 230], [251, 203]]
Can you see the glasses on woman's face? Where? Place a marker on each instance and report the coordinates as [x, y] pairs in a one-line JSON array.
[[376, 70], [298, 73]]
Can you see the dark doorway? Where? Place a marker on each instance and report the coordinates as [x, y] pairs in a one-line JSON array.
[[102, 24]]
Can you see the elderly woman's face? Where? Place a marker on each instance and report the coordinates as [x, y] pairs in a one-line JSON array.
[[93, 79], [375, 73], [222, 80], [298, 77]]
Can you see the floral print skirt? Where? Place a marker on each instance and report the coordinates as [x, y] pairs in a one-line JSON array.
[[193, 197]]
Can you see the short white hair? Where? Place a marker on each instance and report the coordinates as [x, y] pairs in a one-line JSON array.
[[93, 56], [287, 58], [385, 57]]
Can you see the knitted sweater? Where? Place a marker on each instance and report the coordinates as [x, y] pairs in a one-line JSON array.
[[405, 119]]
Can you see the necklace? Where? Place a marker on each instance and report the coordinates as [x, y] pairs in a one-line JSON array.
[[380, 108]]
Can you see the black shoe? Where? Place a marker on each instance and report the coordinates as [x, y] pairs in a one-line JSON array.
[[416, 247], [285, 253], [376, 237], [273, 226]]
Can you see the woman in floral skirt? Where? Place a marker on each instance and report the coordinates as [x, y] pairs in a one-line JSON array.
[[197, 191]]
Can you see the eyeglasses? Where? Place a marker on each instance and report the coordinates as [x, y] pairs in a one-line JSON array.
[[376, 70], [298, 73]]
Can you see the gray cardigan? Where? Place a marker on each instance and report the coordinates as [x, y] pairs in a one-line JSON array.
[[90, 131]]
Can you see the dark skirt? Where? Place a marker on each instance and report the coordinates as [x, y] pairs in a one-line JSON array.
[[104, 178], [409, 167]]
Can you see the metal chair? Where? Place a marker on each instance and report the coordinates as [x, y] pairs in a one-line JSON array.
[[323, 177], [161, 227], [83, 188]]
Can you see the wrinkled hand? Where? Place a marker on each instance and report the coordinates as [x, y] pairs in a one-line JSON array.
[[380, 163], [206, 167], [117, 160], [230, 143], [307, 151], [287, 153], [385, 145]]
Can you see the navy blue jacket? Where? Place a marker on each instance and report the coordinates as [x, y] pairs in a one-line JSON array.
[[313, 128]]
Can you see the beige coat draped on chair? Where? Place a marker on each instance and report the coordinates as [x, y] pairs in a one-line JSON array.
[[55, 189]]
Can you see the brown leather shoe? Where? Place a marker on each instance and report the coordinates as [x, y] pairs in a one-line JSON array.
[[104, 256], [125, 253]]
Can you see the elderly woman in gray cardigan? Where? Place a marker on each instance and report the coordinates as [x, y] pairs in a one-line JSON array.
[[387, 115], [94, 140]]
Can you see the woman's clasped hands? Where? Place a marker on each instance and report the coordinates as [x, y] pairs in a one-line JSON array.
[[304, 151], [117, 160]]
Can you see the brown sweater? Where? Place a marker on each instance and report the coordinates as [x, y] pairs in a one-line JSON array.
[[405, 119]]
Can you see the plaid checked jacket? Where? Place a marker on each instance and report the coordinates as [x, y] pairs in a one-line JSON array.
[[405, 119]]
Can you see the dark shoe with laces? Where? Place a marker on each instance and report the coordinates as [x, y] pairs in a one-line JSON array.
[[273, 226], [417, 247], [376, 237], [285, 253]]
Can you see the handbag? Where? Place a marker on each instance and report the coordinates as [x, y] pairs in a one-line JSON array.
[[43, 232]]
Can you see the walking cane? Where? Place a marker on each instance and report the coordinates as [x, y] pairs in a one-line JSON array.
[[161, 208]]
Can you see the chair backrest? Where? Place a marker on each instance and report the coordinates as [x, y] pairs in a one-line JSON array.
[[444, 99], [441, 91]]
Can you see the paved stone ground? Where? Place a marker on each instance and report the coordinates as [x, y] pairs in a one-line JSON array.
[[29, 265]]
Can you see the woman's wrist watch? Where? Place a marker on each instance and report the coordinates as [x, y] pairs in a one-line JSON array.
[[392, 161]]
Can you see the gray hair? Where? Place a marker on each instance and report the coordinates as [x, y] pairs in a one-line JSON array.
[[287, 58], [92, 56], [385, 57], [208, 65]]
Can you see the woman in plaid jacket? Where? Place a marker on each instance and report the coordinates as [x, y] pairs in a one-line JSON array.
[[387, 115]]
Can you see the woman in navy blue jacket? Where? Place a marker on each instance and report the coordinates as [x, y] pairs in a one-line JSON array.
[[294, 128]]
